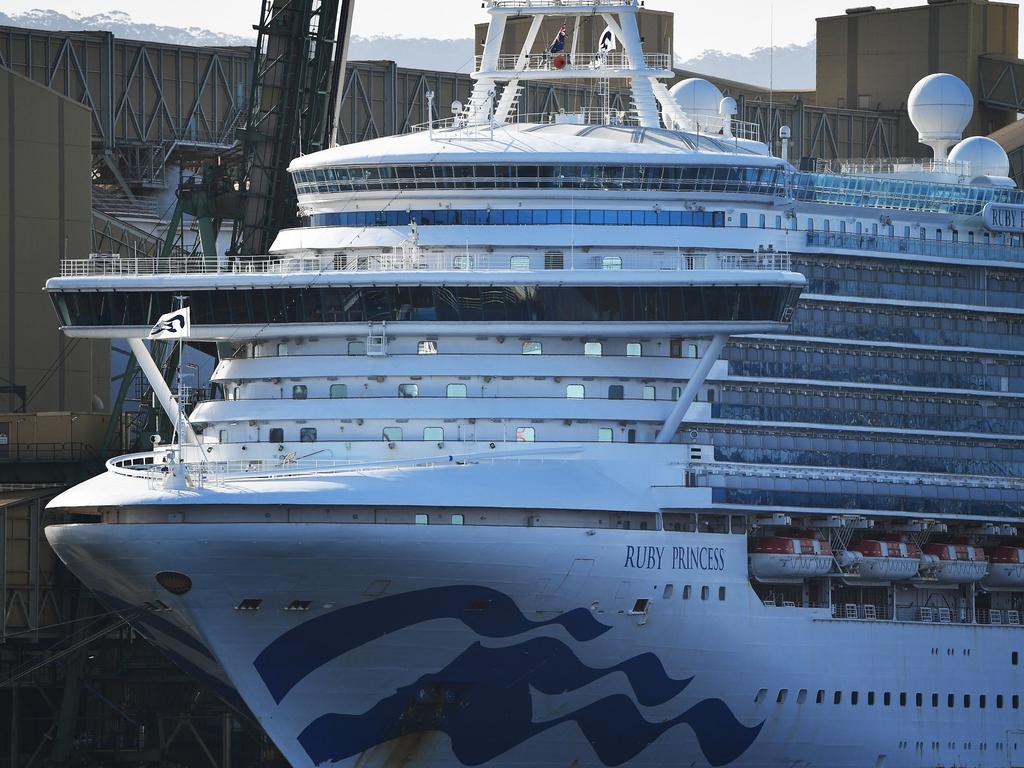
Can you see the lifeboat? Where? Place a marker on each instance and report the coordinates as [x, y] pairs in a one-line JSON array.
[[887, 560], [778, 557], [956, 563], [1006, 568]]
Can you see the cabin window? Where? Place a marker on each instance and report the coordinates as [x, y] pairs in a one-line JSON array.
[[819, 697], [392, 434], [458, 519], [687, 591], [222, 436], [307, 435], [357, 347], [455, 390], [276, 435], [592, 348], [781, 698], [339, 391], [935, 700], [408, 390], [871, 698], [235, 391], [705, 592], [299, 392], [691, 350], [630, 435], [743, 219], [950, 700], [575, 392], [919, 700], [611, 262], [634, 349], [759, 696], [605, 435], [650, 393], [426, 347], [677, 392], [981, 701], [1014, 658], [738, 524], [519, 263], [967, 701], [616, 392], [525, 434], [999, 701], [721, 593], [762, 221], [713, 524], [282, 350], [854, 696], [422, 519], [462, 261], [533, 348], [837, 697], [1015, 701], [433, 434]]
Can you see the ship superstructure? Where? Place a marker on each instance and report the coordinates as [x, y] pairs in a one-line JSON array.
[[526, 453]]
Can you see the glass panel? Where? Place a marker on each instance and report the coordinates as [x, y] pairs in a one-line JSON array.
[[592, 348], [339, 391], [525, 434], [307, 435], [428, 347], [408, 390], [575, 392], [611, 262], [532, 348], [433, 434], [276, 435], [458, 519], [357, 347], [392, 434], [299, 392], [633, 349], [456, 390], [650, 393], [616, 392], [519, 263], [282, 350], [422, 519], [604, 435]]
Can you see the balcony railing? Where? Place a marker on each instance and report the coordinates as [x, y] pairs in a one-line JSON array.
[[916, 247], [411, 259], [595, 63]]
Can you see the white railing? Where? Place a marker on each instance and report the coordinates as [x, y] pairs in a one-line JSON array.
[[406, 261], [596, 63], [892, 166], [547, 5]]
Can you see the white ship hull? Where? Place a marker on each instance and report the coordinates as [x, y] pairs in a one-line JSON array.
[[471, 645]]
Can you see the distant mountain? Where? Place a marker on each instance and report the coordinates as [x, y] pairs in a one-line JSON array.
[[794, 66], [122, 25]]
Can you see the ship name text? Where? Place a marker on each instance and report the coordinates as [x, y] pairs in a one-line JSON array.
[[675, 558]]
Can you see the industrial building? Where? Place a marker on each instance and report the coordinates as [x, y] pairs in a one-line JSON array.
[[97, 135]]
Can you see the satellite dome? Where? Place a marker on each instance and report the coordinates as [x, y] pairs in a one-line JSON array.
[[698, 98], [940, 108], [983, 156]]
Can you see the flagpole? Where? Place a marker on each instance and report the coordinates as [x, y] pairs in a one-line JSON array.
[[181, 406]]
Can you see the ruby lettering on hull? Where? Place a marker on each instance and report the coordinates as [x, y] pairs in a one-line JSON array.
[[648, 558]]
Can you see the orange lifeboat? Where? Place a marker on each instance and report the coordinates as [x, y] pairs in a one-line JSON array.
[[957, 563], [1006, 568], [778, 557], [887, 560]]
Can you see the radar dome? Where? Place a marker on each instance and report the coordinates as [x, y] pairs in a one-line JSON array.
[[940, 108], [698, 98], [983, 156]]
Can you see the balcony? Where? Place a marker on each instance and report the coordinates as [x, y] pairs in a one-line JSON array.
[[916, 247]]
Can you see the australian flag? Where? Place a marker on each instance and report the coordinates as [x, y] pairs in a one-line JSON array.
[[559, 45]]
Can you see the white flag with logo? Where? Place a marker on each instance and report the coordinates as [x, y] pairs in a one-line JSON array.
[[173, 325], [607, 41]]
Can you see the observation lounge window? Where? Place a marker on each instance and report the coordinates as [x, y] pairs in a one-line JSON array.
[[575, 392], [455, 390], [428, 347], [634, 349], [276, 435], [339, 391], [616, 392], [533, 348], [611, 262], [433, 434], [519, 263], [307, 435], [525, 434], [408, 390], [392, 434], [592, 349], [605, 435], [300, 392], [357, 347]]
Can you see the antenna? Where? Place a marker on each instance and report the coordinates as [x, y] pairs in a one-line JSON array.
[[771, 65]]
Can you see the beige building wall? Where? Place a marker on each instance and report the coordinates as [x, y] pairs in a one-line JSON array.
[[871, 60], [45, 212]]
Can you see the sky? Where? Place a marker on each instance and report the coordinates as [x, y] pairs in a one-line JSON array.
[[732, 26]]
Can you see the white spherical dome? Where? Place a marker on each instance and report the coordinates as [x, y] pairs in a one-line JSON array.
[[983, 155], [940, 107], [696, 96]]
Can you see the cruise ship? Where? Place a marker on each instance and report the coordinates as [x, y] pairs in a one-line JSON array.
[[595, 438]]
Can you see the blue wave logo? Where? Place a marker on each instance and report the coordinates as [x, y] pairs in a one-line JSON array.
[[482, 699]]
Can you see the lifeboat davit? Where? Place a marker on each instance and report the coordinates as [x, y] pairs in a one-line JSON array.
[[957, 563], [1005, 567], [778, 557], [887, 560]]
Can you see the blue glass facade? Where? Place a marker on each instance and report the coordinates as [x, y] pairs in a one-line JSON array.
[[500, 217]]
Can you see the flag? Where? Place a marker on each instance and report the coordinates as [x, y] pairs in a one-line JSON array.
[[608, 42], [173, 325], [559, 45]]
